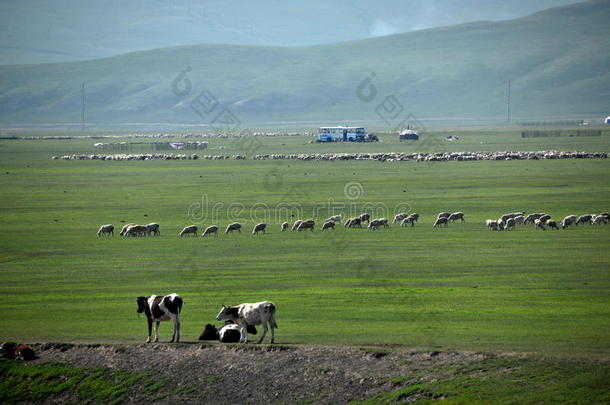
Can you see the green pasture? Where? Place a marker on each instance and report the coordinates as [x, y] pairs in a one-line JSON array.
[[457, 288]]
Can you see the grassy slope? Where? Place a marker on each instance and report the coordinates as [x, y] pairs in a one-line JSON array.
[[454, 71], [462, 287]]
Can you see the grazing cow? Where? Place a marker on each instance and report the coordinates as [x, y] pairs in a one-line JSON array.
[[328, 225], [399, 217], [308, 224], [230, 332], [334, 218], [365, 217], [492, 225], [567, 221], [539, 224], [406, 221], [606, 215], [353, 223], [456, 215], [235, 226], [296, 224], [510, 224], [285, 226], [544, 218], [161, 308], [444, 214], [440, 221], [24, 352], [415, 217], [153, 228], [599, 220], [583, 219], [189, 230], [212, 229], [384, 222], [136, 230], [251, 314], [551, 224], [124, 229], [259, 228], [106, 230]]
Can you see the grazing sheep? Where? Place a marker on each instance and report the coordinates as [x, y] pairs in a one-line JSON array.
[[106, 230], [235, 226], [583, 219], [551, 224], [136, 230], [444, 214], [124, 229], [189, 230], [328, 225], [415, 217], [544, 218], [296, 224], [259, 228], [334, 218], [308, 224], [456, 215], [519, 220], [399, 217], [510, 224], [505, 217], [153, 228], [374, 225], [599, 220], [539, 224], [365, 217], [440, 221], [532, 217], [285, 226], [353, 223], [213, 229], [406, 221], [567, 221], [492, 225]]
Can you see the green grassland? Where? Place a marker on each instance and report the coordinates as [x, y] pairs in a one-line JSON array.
[[457, 288]]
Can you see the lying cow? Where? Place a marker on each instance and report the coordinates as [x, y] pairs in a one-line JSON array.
[[230, 332], [161, 308], [251, 314]]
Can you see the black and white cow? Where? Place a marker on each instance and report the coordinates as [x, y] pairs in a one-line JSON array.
[[161, 308], [246, 315], [230, 332]]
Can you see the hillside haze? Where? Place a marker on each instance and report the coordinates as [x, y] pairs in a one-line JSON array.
[[556, 60], [40, 31]]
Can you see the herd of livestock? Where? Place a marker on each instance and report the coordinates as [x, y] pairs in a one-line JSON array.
[[506, 222], [379, 156]]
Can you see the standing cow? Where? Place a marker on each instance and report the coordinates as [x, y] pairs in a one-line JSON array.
[[251, 315], [161, 308]]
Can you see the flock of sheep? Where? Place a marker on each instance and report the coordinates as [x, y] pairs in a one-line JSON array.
[[381, 156], [542, 221], [505, 223]]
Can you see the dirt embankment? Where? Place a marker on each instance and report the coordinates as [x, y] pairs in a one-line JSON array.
[[223, 374]]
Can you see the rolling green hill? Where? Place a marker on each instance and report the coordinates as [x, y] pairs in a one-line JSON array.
[[39, 31], [557, 62]]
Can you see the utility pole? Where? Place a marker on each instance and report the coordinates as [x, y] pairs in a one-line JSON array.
[[83, 109], [508, 106]]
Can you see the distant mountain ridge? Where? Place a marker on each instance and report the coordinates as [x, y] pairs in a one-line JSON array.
[[556, 60], [42, 31]]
